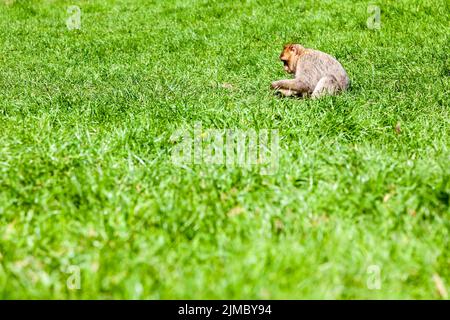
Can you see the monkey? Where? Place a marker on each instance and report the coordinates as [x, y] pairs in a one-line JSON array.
[[316, 73]]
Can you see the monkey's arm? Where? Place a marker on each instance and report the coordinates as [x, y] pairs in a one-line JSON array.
[[297, 85]]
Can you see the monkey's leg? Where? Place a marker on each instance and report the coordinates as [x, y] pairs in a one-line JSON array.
[[326, 85], [296, 85], [288, 93]]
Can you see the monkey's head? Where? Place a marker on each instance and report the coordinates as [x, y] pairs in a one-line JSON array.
[[289, 57]]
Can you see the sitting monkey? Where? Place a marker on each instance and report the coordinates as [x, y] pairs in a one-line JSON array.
[[316, 73]]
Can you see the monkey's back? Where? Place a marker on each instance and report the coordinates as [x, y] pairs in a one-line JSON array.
[[313, 65]]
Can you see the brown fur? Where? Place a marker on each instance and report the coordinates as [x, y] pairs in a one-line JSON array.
[[316, 73]]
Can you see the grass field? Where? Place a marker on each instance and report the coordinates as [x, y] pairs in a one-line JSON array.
[[89, 195]]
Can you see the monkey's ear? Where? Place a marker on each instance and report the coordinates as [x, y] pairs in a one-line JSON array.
[[287, 47], [293, 48]]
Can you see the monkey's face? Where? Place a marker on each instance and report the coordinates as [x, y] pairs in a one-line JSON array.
[[289, 58]]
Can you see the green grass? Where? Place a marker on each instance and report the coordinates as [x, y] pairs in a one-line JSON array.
[[86, 177]]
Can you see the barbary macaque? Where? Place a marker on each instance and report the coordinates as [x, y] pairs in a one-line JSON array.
[[316, 73]]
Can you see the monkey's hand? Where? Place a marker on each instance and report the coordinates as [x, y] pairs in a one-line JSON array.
[[275, 85]]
